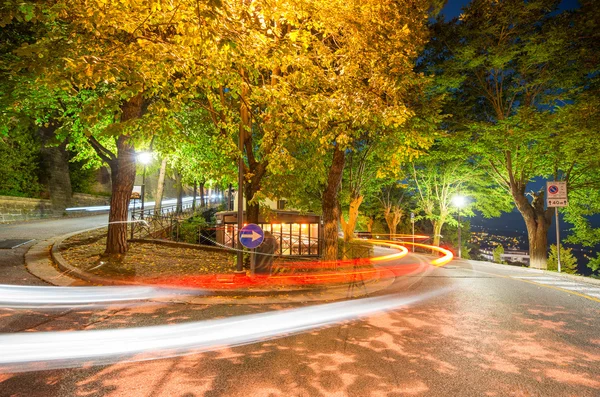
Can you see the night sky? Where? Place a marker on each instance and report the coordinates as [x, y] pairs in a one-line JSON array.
[[453, 7]]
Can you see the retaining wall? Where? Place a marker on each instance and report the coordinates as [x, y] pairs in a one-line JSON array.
[[13, 209]]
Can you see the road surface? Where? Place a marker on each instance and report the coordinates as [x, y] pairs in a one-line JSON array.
[[486, 330]]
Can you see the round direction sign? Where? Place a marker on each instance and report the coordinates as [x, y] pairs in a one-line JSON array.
[[251, 235], [553, 189]]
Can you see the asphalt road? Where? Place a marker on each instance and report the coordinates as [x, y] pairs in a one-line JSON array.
[[12, 265], [487, 330]]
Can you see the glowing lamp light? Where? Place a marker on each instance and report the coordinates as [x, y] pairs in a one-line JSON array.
[[144, 157], [459, 201]]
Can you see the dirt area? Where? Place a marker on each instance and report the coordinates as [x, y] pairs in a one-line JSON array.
[[149, 261], [143, 259]]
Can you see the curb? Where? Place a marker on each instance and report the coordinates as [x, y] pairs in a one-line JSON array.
[[38, 261]]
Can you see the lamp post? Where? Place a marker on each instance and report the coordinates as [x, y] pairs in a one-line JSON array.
[[459, 202], [144, 158]]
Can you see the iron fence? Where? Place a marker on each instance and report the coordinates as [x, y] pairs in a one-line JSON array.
[[160, 222]]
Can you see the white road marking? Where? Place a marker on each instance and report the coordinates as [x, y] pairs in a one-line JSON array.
[[564, 284]]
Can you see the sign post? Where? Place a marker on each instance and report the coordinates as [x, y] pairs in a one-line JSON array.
[[557, 197], [412, 220], [251, 236]]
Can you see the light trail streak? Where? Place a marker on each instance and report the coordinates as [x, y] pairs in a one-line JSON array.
[[34, 351], [131, 205], [18, 296], [347, 271], [353, 270]]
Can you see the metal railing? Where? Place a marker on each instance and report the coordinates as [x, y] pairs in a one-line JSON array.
[[160, 222]]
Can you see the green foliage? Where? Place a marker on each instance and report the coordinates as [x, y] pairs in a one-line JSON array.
[[518, 76], [82, 178], [594, 264], [190, 229], [498, 252], [19, 151], [450, 237], [568, 263]]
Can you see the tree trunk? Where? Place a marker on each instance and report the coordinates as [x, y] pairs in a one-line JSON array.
[[179, 184], [348, 227], [437, 232], [370, 222], [392, 217], [55, 160], [202, 193], [330, 206], [537, 221], [195, 195], [122, 170], [160, 188], [252, 210]]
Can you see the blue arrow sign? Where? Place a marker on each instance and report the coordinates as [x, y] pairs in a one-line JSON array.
[[251, 235]]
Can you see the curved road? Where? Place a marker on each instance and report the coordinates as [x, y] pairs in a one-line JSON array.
[[494, 331]]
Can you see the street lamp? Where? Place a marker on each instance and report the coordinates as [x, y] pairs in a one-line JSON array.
[[459, 202], [144, 158]]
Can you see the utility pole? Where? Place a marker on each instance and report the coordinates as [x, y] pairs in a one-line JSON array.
[[245, 118]]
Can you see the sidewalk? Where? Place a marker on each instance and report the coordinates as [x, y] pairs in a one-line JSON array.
[[45, 261]]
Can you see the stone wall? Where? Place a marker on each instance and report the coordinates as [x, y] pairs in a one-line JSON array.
[[88, 200], [13, 209], [22, 209]]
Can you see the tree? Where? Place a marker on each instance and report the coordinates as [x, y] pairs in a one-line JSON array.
[[507, 65], [20, 160], [362, 179], [445, 174], [160, 186], [43, 159], [357, 85], [123, 63], [568, 263], [391, 198]]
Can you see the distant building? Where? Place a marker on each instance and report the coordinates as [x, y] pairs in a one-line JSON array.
[[508, 256]]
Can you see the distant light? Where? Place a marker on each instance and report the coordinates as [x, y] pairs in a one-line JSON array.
[[459, 201], [144, 157]]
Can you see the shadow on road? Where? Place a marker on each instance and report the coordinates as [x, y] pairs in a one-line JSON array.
[[438, 351]]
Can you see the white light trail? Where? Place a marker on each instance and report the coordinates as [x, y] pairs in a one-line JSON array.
[[131, 205], [18, 296], [34, 351]]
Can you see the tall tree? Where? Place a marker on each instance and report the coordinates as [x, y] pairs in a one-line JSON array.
[[392, 202], [506, 65], [132, 56]]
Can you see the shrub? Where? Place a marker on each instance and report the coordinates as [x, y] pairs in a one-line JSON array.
[[189, 230], [568, 263]]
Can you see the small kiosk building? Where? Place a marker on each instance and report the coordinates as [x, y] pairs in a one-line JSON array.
[[297, 234]]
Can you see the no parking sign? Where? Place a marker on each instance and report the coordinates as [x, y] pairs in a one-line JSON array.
[[556, 193]]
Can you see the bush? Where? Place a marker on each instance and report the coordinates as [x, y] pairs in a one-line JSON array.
[[568, 263], [19, 167], [189, 230], [498, 252]]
